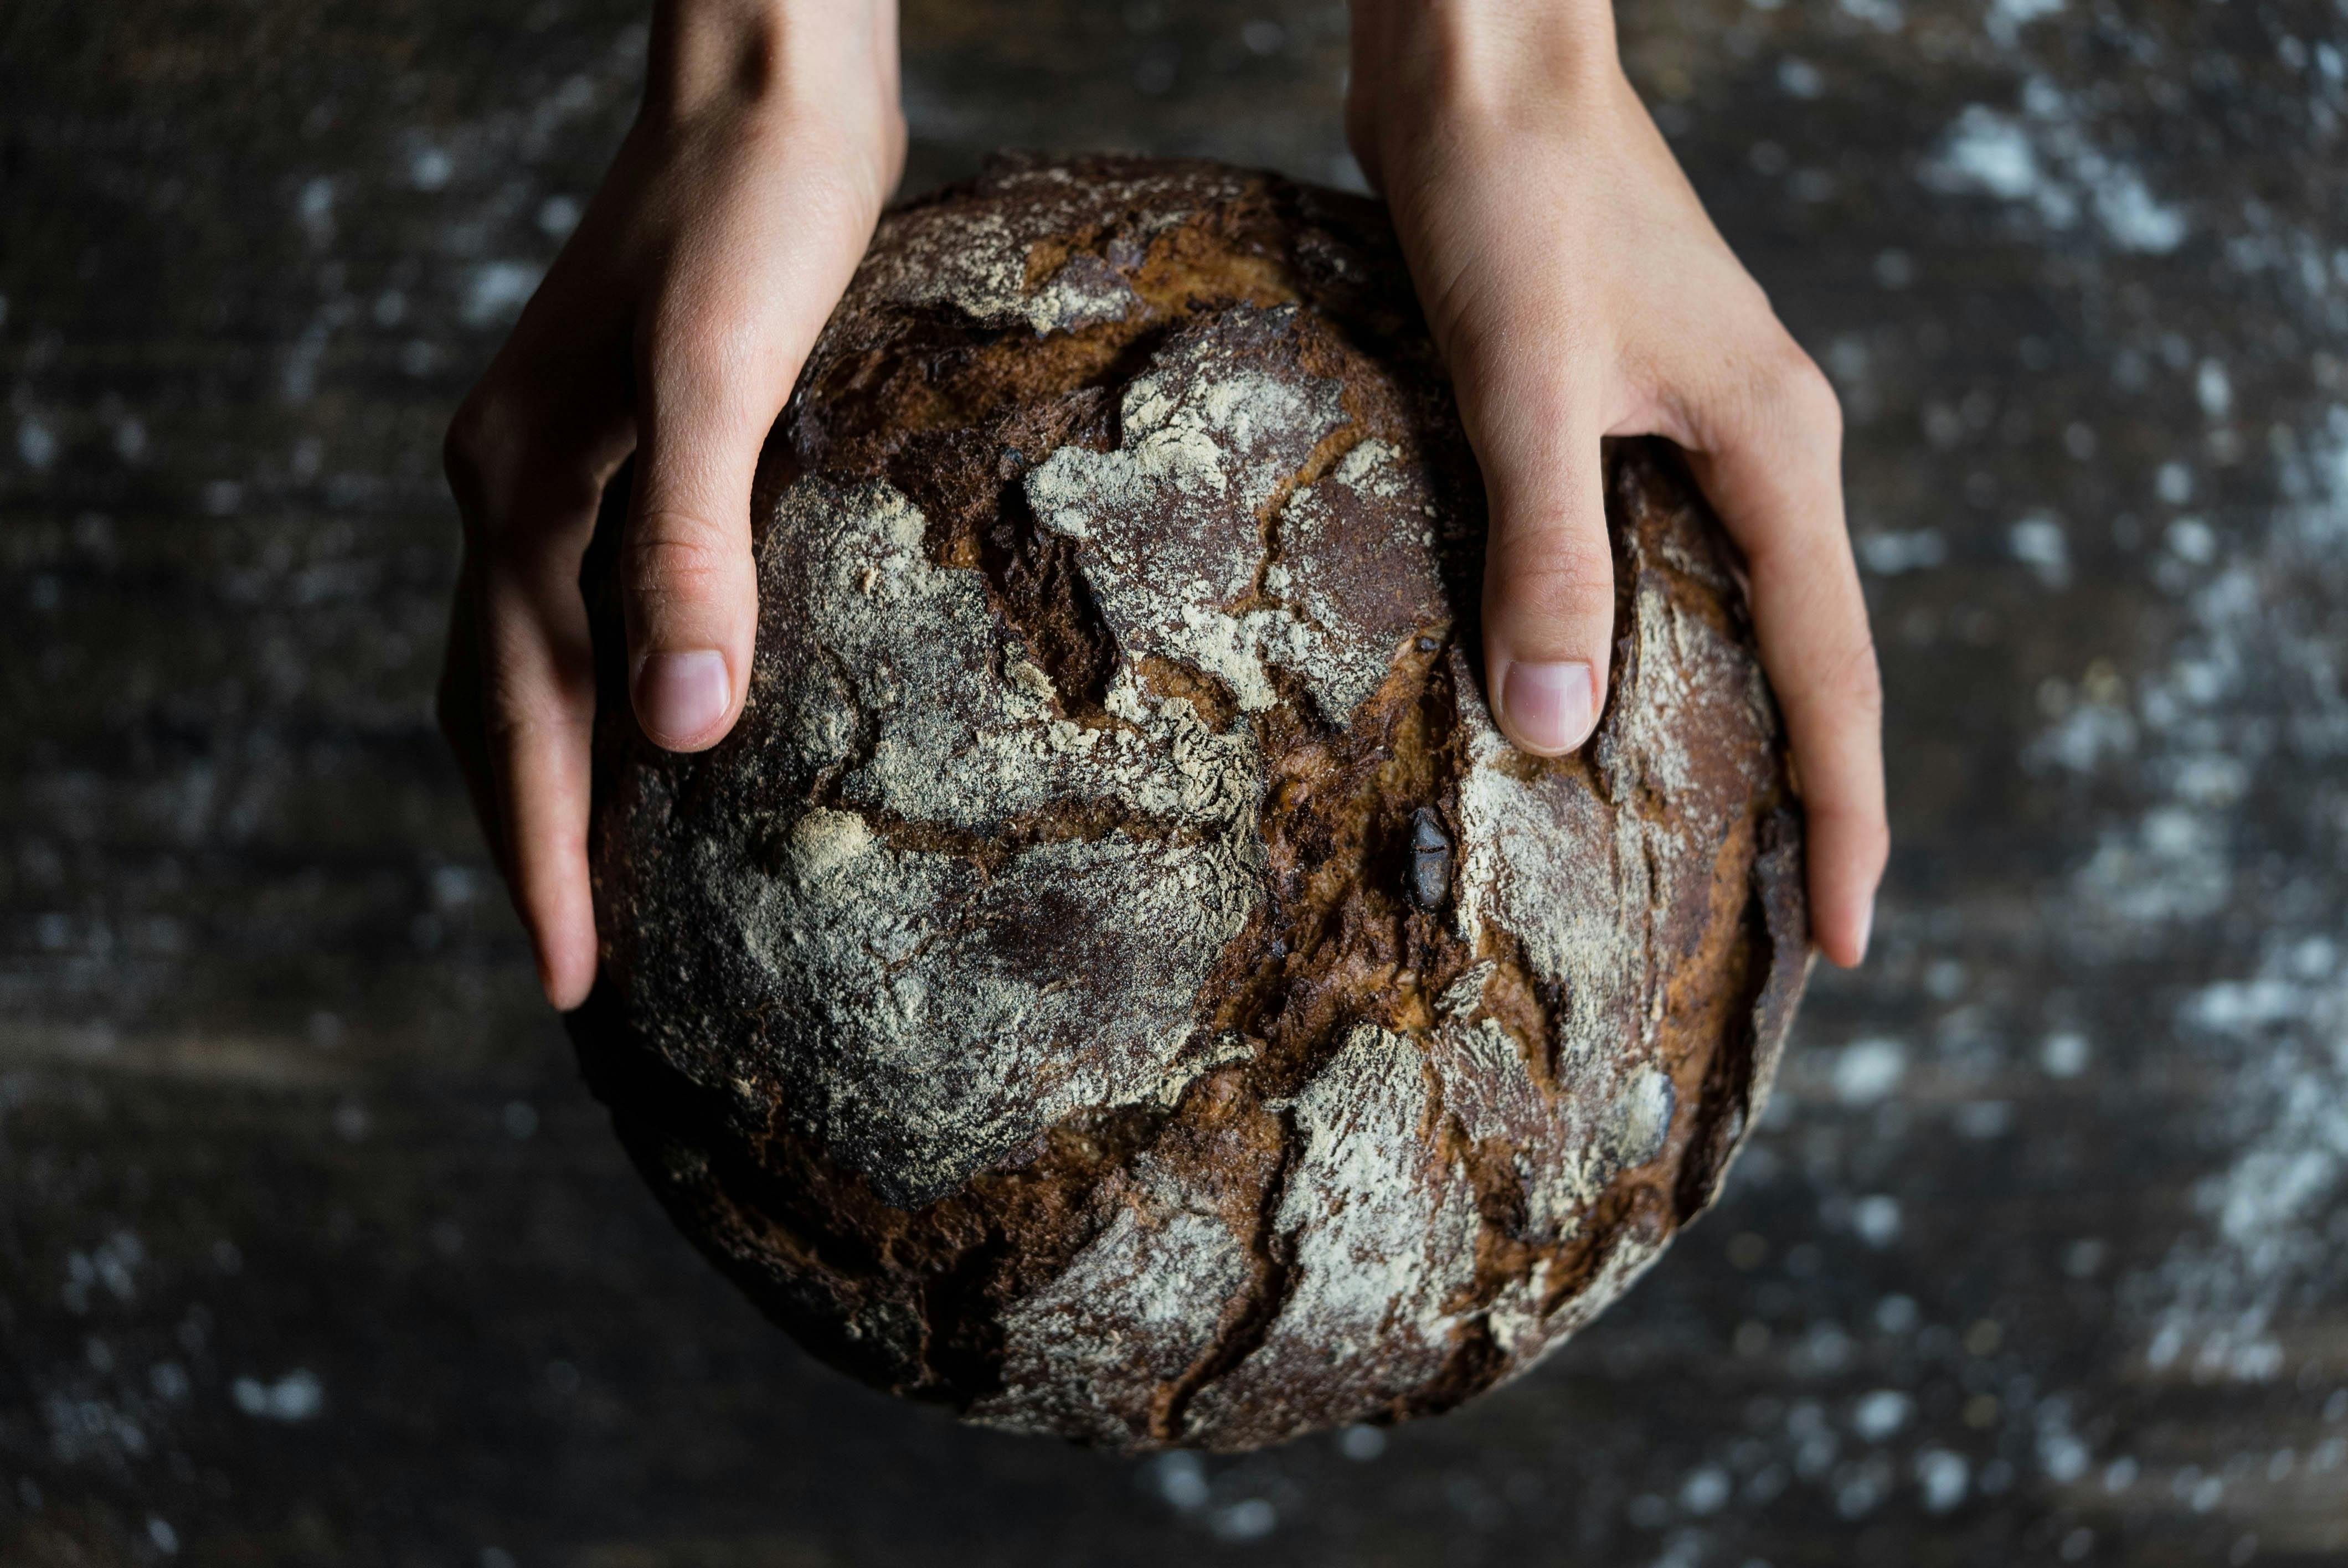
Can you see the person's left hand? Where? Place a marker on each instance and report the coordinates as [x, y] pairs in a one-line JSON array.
[[1578, 292]]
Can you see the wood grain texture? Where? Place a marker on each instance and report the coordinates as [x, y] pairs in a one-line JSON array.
[[314, 1249]]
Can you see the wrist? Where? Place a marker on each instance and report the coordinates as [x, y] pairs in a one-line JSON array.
[[1417, 62], [758, 56]]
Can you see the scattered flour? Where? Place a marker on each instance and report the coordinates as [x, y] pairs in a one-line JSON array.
[[2044, 157], [2251, 682]]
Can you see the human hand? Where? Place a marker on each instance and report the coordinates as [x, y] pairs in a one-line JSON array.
[[673, 325], [1578, 290]]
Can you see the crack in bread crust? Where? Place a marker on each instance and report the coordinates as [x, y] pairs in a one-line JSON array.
[[1116, 981]]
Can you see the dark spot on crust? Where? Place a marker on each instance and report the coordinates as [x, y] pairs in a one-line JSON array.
[[1430, 859]]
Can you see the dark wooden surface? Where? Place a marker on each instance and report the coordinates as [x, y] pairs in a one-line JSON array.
[[312, 1250]]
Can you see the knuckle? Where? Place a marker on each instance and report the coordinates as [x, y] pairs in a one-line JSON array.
[[1797, 397], [515, 475], [1775, 395], [1861, 841], [1853, 827], [1875, 845], [1858, 683], [1848, 685], [673, 556], [1550, 576], [479, 446], [516, 720], [1851, 812], [473, 434]]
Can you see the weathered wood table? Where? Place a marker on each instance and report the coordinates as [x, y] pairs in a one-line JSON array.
[[312, 1250]]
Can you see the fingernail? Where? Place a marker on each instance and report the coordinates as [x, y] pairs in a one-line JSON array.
[[1866, 930], [680, 695], [1550, 706]]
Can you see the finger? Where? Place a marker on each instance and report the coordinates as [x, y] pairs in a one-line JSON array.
[[1548, 569], [716, 362], [538, 711], [519, 694], [688, 588], [1771, 462], [457, 706]]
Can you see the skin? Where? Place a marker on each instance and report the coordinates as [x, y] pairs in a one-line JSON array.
[[1569, 274]]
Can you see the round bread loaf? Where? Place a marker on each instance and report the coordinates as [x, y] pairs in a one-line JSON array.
[[1116, 981]]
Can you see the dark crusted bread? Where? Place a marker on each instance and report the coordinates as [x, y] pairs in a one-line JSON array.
[[1116, 981]]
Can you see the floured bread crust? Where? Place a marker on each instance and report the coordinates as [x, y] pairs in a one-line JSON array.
[[1116, 981]]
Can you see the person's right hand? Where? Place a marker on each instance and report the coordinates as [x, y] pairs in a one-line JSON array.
[[673, 325]]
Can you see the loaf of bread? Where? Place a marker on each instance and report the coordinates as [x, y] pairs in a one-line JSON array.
[[1116, 981]]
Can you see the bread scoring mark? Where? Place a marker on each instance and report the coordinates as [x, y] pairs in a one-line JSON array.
[[1380, 1235], [1370, 512], [1087, 1356], [1208, 432], [1490, 1090], [1214, 435], [1380, 1224], [1555, 867]]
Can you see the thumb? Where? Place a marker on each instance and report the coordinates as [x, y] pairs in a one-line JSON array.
[[713, 379], [1548, 567]]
